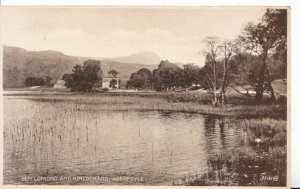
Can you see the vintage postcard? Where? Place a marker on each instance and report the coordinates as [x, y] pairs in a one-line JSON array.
[[147, 96]]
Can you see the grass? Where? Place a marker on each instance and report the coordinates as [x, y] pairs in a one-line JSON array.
[[255, 164], [183, 101], [243, 166]]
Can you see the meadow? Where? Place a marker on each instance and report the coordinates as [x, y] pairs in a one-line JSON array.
[[237, 105]]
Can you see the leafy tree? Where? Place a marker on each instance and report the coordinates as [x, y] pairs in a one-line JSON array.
[[190, 75], [276, 19], [33, 81], [29, 81], [129, 84], [142, 79], [113, 83], [48, 81], [84, 78], [40, 81], [267, 38], [249, 65], [114, 73], [66, 77], [74, 83], [204, 78], [206, 75], [167, 76]]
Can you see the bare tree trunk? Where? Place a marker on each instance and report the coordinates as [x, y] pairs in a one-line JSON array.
[[222, 98], [224, 85], [270, 87], [273, 98], [215, 85], [261, 81]]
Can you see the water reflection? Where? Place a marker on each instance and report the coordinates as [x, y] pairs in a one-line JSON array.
[[222, 133], [53, 138]]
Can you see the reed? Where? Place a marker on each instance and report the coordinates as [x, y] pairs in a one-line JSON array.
[[261, 163], [153, 102], [41, 135]]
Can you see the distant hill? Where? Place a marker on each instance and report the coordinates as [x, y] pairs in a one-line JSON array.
[[18, 64], [125, 69], [143, 57]]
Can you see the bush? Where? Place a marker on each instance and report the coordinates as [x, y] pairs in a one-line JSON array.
[[33, 81]]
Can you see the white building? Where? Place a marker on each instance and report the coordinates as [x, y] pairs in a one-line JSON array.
[[106, 82], [60, 84]]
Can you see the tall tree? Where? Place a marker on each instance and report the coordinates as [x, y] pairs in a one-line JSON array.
[[190, 75], [211, 54], [84, 78], [228, 48], [266, 38], [167, 76], [142, 79]]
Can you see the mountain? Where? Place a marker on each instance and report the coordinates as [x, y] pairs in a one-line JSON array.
[[143, 57], [125, 69], [18, 64]]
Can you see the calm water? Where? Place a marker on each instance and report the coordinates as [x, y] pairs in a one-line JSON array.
[[59, 139]]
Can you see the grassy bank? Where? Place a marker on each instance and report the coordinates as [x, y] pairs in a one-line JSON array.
[[260, 161], [185, 101]]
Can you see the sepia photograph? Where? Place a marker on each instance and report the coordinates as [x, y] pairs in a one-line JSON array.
[[145, 95]]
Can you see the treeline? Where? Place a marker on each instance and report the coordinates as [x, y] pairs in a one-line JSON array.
[[38, 81], [88, 77], [242, 70], [168, 76], [255, 58]]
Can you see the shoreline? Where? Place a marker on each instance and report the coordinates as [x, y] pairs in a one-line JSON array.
[[188, 102]]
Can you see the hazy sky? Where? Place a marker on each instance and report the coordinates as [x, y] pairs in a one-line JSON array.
[[172, 33]]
